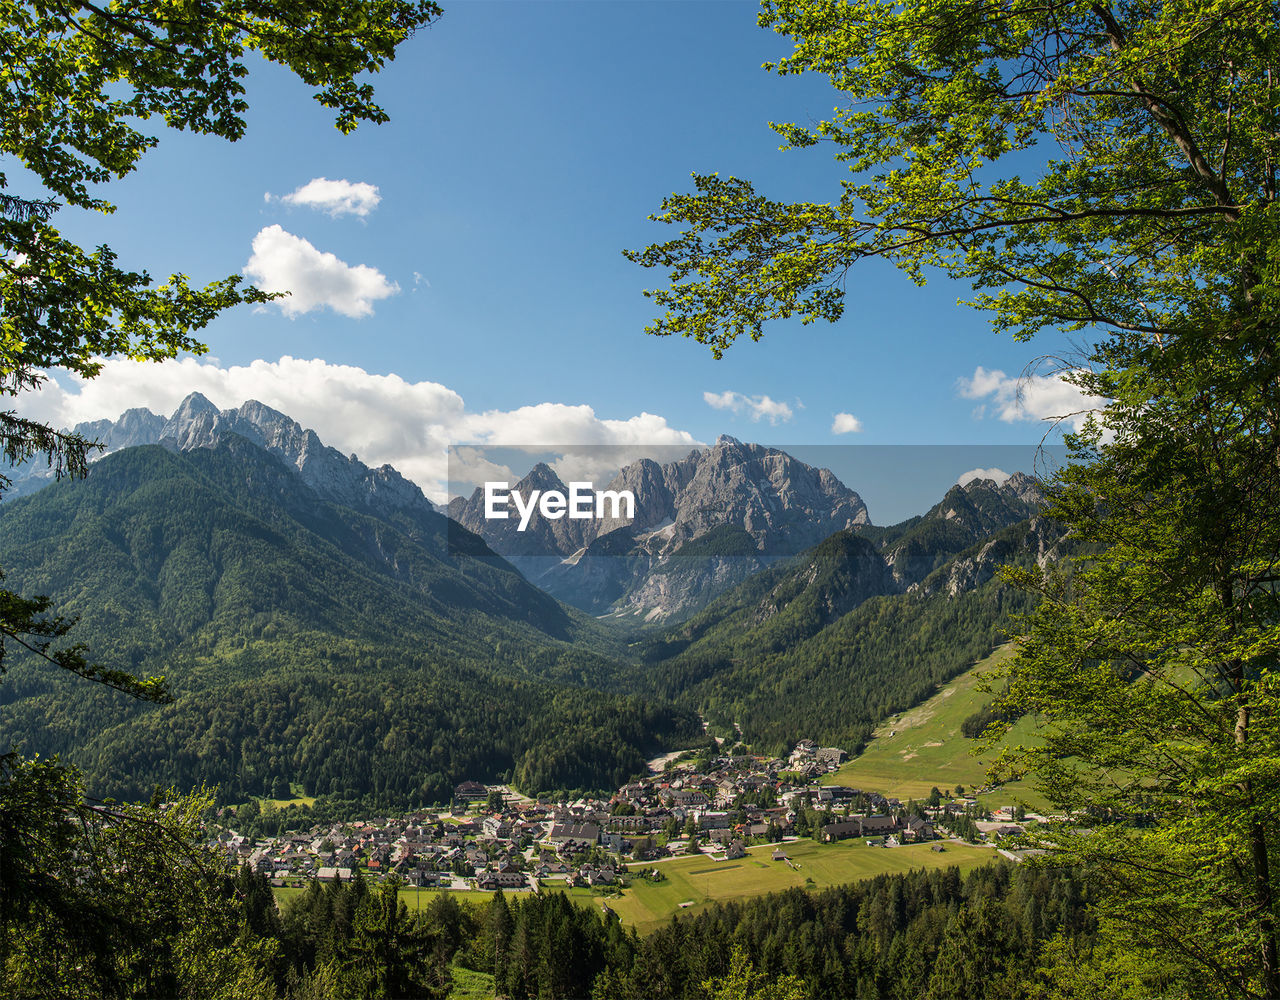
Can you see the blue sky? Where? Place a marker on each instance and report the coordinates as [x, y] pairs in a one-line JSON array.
[[528, 143]]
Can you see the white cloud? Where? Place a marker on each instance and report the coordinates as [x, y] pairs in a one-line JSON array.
[[341, 197], [997, 475], [469, 467], [282, 262], [845, 423], [756, 407], [1032, 397], [381, 418]]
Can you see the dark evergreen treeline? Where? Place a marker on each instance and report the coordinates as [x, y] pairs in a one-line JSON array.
[[929, 934], [384, 737], [934, 935], [976, 723], [353, 940]]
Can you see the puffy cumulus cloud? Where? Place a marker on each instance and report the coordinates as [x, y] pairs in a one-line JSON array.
[[282, 262], [1031, 397], [550, 424], [998, 476], [756, 407], [341, 197], [574, 441], [380, 418], [469, 466], [845, 423]]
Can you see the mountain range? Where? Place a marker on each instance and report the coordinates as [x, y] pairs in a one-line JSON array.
[[324, 628], [702, 524], [303, 639], [865, 624], [198, 423]]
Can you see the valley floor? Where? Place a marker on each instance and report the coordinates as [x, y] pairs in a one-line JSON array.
[[912, 753], [693, 883]]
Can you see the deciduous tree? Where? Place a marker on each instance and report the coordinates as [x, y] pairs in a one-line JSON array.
[[116, 900], [1106, 169], [742, 982], [94, 901], [79, 85]]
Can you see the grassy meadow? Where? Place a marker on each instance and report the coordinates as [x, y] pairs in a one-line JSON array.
[[914, 751], [468, 985], [692, 883]]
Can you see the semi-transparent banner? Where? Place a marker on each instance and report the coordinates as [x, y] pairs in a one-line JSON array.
[[561, 510]]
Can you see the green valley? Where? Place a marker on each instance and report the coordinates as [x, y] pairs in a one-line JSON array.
[[432, 633], [304, 643], [382, 655]]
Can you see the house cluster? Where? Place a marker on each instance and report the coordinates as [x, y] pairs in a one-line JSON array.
[[889, 830], [425, 849], [813, 761], [717, 805]]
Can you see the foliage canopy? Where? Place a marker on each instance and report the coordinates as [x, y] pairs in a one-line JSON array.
[[1107, 170], [1150, 125], [114, 911], [77, 84]]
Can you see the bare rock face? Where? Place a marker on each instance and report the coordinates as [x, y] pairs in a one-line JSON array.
[[135, 427], [542, 537], [702, 524], [197, 423], [780, 501]]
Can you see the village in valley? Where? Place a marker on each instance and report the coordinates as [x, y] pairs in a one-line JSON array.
[[721, 807]]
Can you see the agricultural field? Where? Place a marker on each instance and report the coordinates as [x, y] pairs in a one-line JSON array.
[[692, 883], [915, 751]]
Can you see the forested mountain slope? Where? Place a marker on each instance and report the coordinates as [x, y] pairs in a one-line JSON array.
[[305, 641], [792, 600], [827, 646], [385, 653]]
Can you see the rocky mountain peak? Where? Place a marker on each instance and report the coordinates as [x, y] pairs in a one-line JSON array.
[[198, 423], [981, 507], [1024, 487], [194, 404], [540, 477], [136, 426], [701, 524]]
